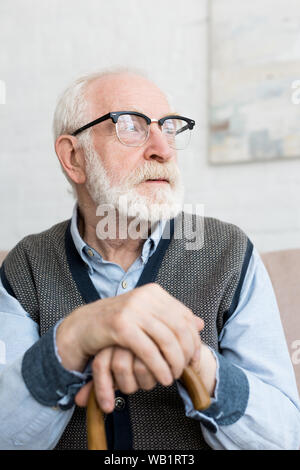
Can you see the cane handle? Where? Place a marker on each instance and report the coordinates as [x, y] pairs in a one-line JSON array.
[[95, 422]]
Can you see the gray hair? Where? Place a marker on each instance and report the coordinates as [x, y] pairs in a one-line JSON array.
[[72, 108]]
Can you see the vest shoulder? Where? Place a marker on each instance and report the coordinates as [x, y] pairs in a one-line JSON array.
[[224, 227], [216, 228], [226, 235], [39, 241]]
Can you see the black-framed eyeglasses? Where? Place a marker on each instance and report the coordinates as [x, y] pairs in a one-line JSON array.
[[133, 128]]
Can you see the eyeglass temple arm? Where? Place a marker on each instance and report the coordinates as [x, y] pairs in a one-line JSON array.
[[93, 123], [184, 128]]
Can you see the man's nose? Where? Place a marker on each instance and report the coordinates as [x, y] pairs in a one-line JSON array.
[[157, 146]]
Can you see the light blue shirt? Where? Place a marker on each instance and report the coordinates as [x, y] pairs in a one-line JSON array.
[[252, 339]]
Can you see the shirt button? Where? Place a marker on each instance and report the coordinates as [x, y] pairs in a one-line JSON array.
[[119, 403], [90, 253], [124, 284]]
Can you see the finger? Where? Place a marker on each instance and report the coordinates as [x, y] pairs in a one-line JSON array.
[[180, 343], [144, 347], [183, 323], [103, 380], [82, 397], [122, 368], [198, 322], [144, 377], [197, 326], [157, 346], [197, 355], [196, 363], [194, 322]]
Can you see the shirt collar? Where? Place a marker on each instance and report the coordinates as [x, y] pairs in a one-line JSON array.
[[148, 249]]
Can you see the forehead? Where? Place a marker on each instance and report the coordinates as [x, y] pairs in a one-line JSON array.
[[126, 92]]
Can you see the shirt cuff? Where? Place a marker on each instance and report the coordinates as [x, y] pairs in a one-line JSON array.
[[88, 369], [45, 377], [230, 398]]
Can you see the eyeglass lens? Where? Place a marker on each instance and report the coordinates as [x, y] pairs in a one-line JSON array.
[[133, 131]]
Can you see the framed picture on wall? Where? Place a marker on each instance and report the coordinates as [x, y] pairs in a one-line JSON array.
[[254, 73]]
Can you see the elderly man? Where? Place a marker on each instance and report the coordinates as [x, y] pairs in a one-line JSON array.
[[129, 308]]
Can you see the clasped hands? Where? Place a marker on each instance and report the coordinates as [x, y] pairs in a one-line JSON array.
[[138, 339]]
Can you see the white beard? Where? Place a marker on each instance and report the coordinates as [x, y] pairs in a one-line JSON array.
[[161, 203]]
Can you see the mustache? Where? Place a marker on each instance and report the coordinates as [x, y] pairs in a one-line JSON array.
[[166, 171]]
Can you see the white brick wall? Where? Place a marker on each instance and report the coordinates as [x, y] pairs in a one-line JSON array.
[[45, 44]]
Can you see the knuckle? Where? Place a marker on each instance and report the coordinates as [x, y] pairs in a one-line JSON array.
[[167, 344], [140, 368], [189, 313], [120, 324], [116, 321], [97, 365], [101, 392], [120, 366], [148, 353]]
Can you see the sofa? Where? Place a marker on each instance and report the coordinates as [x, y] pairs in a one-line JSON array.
[[284, 271]]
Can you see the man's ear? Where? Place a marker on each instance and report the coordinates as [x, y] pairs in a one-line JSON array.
[[71, 157]]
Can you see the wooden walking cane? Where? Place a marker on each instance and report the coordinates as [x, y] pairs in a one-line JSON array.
[[95, 421]]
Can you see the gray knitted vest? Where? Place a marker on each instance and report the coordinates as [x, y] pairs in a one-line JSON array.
[[49, 279]]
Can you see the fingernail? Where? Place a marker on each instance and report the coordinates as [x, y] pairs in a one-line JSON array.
[[168, 379], [106, 405]]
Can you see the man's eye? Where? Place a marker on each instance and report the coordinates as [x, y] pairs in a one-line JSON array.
[[133, 126], [169, 127], [170, 130]]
